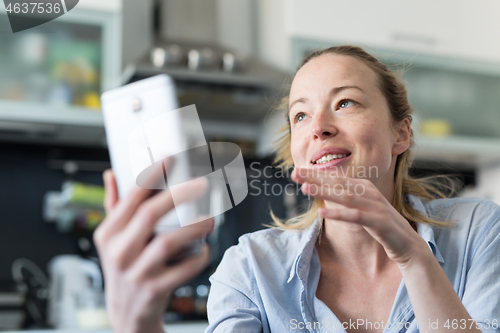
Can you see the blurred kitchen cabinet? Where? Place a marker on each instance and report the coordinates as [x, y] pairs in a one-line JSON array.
[[448, 28], [53, 74], [103, 6]]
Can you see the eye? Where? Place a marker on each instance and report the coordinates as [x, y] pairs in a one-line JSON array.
[[299, 117], [345, 103]]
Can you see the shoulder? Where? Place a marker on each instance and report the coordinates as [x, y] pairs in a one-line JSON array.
[[270, 236], [266, 255], [458, 202], [267, 243], [476, 211], [474, 224]]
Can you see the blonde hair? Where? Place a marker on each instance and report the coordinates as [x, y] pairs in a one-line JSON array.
[[396, 95]]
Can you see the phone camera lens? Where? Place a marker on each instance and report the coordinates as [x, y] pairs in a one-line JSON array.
[[136, 105]]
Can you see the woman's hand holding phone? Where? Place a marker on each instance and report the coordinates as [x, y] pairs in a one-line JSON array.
[[138, 281]]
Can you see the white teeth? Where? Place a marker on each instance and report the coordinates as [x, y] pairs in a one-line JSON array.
[[328, 158]]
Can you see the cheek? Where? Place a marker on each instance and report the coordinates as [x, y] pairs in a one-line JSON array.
[[298, 148], [293, 151], [376, 141]]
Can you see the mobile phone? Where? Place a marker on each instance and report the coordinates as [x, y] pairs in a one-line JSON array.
[[144, 124]]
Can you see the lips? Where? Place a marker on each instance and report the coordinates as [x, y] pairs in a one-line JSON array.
[[328, 155]]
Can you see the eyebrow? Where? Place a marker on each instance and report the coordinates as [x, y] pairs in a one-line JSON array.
[[333, 92]]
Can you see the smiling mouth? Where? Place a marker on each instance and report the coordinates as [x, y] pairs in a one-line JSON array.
[[329, 158]]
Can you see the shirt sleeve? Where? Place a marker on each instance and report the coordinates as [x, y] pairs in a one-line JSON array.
[[482, 288], [231, 304]]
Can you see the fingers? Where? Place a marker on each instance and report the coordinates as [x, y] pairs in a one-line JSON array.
[[111, 193], [137, 233], [345, 214], [168, 163], [177, 275], [345, 196], [167, 246], [353, 192], [119, 215], [143, 223], [303, 175]]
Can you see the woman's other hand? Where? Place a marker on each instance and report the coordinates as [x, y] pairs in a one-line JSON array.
[[357, 200], [138, 281]]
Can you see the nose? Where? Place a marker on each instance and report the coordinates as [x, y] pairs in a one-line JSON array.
[[323, 126]]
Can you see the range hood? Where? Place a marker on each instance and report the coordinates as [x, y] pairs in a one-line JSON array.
[[209, 47], [224, 85]]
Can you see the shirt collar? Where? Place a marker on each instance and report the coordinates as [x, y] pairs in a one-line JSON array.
[[310, 235], [424, 230], [305, 250]]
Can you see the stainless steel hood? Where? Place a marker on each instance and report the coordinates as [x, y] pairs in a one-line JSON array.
[[224, 85]]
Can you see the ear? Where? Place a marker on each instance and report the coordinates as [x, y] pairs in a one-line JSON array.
[[403, 136]]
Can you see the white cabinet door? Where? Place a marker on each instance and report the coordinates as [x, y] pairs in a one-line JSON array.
[[361, 21], [451, 28], [477, 30], [421, 26]]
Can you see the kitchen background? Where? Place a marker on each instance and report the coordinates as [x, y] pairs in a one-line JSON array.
[[233, 59]]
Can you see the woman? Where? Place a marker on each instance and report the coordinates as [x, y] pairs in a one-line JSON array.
[[368, 254], [342, 264]]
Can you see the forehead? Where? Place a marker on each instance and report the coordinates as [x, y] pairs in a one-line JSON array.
[[321, 74]]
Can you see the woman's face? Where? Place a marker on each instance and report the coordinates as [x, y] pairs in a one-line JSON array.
[[340, 121]]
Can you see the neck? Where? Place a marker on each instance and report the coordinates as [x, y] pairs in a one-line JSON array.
[[350, 245]]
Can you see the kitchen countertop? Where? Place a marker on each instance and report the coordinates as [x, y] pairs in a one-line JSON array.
[[193, 327]]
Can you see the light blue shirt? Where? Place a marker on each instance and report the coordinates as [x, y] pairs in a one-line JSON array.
[[267, 283]]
